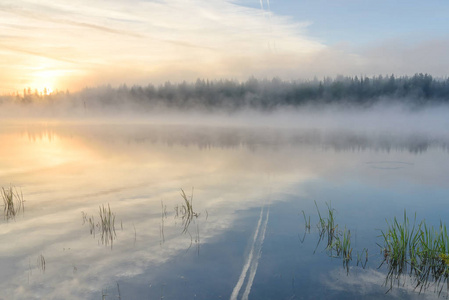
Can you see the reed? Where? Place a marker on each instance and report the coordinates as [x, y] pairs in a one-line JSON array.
[[105, 226], [331, 227], [41, 263], [306, 221], [400, 243], [338, 242], [362, 258], [13, 202], [186, 211], [345, 249], [322, 223], [419, 250]]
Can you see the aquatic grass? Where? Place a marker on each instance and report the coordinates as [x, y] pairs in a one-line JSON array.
[[188, 204], [331, 227], [186, 211], [91, 221], [187, 214], [419, 250], [362, 259], [328, 228], [13, 202], [307, 226], [306, 221], [345, 249], [400, 240], [41, 263], [338, 242], [322, 223], [409, 248], [105, 226]]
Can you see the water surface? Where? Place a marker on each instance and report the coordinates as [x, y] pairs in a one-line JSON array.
[[246, 237]]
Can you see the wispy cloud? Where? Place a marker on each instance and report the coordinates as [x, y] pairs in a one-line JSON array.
[[136, 41], [153, 39]]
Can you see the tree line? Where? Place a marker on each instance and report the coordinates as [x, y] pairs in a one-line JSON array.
[[266, 94]]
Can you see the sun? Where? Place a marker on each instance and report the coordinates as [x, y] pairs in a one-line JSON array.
[[43, 81]]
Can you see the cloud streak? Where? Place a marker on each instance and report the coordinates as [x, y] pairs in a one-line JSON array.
[[155, 39], [137, 42]]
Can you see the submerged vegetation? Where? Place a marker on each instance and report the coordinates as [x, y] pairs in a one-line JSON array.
[[13, 202]]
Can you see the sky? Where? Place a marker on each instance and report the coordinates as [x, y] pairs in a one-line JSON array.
[[60, 45]]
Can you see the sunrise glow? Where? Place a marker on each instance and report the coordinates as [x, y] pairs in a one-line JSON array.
[[65, 46]]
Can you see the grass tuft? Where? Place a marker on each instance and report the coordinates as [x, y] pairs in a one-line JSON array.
[[13, 202], [105, 226], [186, 211], [416, 249], [338, 242]]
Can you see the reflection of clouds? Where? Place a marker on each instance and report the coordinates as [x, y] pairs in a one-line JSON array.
[[52, 221], [133, 168], [370, 282]]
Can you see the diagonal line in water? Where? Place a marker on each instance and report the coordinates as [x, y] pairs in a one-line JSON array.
[[255, 262], [247, 264]]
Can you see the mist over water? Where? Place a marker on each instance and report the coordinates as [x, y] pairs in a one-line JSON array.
[[250, 173], [382, 127], [147, 151]]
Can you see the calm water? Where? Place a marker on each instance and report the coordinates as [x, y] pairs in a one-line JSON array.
[[245, 236]]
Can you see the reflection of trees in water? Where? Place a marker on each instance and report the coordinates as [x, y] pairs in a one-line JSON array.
[[206, 137], [253, 139]]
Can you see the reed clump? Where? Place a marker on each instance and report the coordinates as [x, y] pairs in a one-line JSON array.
[[105, 226], [13, 202], [416, 249], [338, 242]]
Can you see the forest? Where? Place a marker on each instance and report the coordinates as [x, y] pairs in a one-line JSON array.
[[262, 94]]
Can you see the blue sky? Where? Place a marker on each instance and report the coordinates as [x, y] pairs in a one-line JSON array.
[[71, 44], [363, 22]]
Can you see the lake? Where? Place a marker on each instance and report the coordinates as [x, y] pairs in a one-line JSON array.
[[149, 210]]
